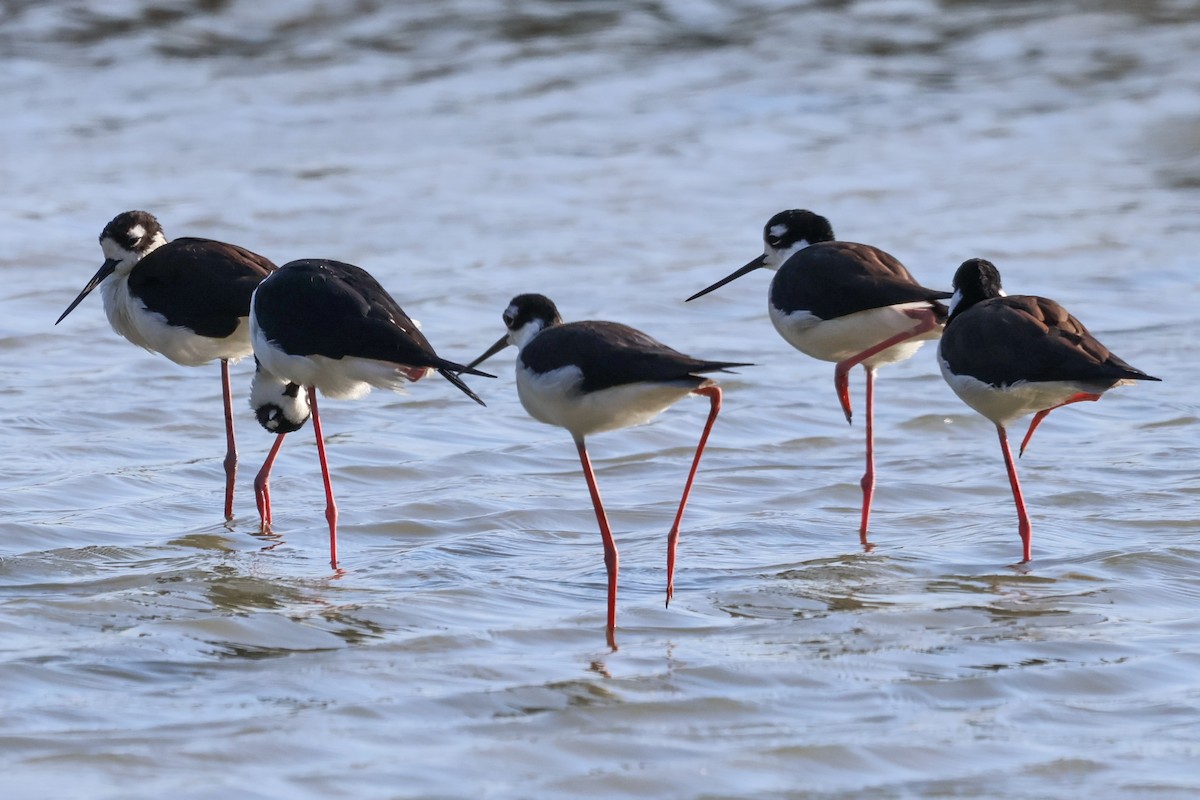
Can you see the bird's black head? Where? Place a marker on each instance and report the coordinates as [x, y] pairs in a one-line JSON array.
[[975, 280], [135, 232], [797, 226], [280, 406], [531, 308]]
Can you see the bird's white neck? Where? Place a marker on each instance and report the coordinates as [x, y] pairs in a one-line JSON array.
[[775, 258], [526, 333]]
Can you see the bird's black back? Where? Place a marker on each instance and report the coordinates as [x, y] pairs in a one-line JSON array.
[[199, 284], [611, 354], [1004, 340], [835, 279]]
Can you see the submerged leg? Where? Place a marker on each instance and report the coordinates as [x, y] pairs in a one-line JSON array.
[[262, 488], [611, 560], [926, 321], [1041, 415], [331, 513], [1022, 517], [230, 444], [713, 393]]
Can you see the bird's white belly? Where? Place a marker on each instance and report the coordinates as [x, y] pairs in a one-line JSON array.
[[129, 317], [555, 399], [1003, 404], [843, 337], [343, 378]]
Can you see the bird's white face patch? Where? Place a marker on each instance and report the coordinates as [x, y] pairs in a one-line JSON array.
[[774, 257], [126, 258], [955, 300], [524, 335]]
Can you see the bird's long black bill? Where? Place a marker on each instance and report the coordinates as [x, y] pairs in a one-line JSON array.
[[105, 270], [500, 344], [761, 261]]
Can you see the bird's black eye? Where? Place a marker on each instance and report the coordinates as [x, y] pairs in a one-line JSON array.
[[509, 319]]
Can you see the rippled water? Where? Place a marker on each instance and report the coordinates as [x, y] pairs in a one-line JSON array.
[[617, 157]]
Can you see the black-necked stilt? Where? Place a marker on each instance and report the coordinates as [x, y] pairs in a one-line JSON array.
[[330, 326], [844, 302], [593, 376], [1008, 356], [187, 299]]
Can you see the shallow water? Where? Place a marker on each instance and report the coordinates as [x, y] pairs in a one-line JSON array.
[[617, 157]]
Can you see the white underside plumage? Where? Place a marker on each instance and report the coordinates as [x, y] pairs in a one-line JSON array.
[[843, 337], [1003, 404], [145, 328], [556, 399], [342, 378]]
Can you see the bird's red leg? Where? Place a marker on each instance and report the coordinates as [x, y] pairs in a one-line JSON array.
[[331, 513], [1022, 517], [611, 560], [868, 478], [230, 444], [713, 393], [1041, 415], [262, 488], [926, 321]]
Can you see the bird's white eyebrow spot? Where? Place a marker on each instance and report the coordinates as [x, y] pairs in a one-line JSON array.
[[778, 230], [137, 231]]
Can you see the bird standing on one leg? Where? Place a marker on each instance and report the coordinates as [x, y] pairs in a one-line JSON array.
[[1008, 356], [188, 299], [844, 302], [594, 376]]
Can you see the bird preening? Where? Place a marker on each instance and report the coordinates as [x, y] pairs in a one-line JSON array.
[[323, 327], [330, 327]]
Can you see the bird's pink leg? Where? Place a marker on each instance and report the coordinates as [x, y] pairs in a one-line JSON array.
[[262, 488], [331, 512], [611, 560], [868, 478], [230, 444], [926, 321], [713, 393], [1041, 415], [1023, 526]]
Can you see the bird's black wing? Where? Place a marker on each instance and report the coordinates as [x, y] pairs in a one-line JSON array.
[[336, 310], [200, 284], [1005, 340], [834, 279], [611, 354]]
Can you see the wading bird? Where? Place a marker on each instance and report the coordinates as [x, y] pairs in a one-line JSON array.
[[188, 299], [590, 377], [1008, 356], [843, 302], [330, 326]]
